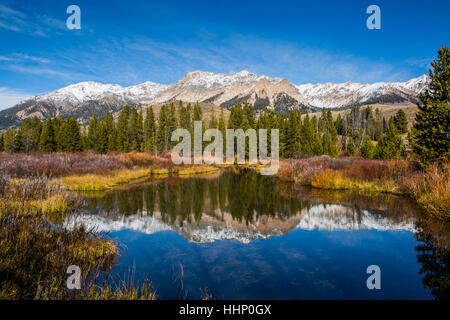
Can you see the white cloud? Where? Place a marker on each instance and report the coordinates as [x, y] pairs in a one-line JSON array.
[[54, 73], [33, 58], [31, 24], [21, 57], [3, 58], [297, 63], [9, 97]]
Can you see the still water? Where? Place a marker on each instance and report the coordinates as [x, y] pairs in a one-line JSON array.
[[240, 235]]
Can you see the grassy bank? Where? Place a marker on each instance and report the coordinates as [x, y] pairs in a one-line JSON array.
[[36, 249], [429, 187], [107, 180], [86, 171], [115, 178]]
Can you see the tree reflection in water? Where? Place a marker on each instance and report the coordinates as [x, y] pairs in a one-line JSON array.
[[247, 196], [434, 256]]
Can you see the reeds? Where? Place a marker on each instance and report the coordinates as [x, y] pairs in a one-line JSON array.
[[429, 187], [36, 249]]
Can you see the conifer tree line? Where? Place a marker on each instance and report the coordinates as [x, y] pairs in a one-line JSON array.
[[140, 130]]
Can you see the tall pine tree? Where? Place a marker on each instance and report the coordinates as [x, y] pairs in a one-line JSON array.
[[47, 140], [430, 138]]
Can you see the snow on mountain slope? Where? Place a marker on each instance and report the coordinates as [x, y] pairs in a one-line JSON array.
[[226, 90], [90, 90], [331, 95], [200, 80]]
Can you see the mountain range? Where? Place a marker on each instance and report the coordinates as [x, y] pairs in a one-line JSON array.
[[82, 99]]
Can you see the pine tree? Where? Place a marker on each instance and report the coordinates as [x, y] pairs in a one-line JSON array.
[[213, 121], [123, 143], [292, 142], [367, 149], [351, 147], [47, 140], [172, 123], [150, 130], [248, 113], [184, 116], [93, 133], [133, 129], [27, 138], [384, 125], [390, 145], [280, 123], [329, 136], [307, 136], [73, 136], [140, 132], [431, 140], [236, 117], [317, 143], [102, 139], [339, 124], [9, 138], [245, 127], [2, 145], [401, 122], [222, 127], [62, 136], [111, 132], [162, 133], [197, 112], [19, 141]]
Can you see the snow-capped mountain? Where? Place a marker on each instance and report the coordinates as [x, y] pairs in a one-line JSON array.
[[86, 91], [341, 95], [226, 90], [81, 100]]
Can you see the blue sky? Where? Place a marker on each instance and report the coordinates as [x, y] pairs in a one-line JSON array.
[[129, 42]]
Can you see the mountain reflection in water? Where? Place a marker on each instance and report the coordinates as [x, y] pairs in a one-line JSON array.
[[244, 207]]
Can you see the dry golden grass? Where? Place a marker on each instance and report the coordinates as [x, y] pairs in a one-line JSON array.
[[105, 181], [116, 178], [387, 111], [430, 187], [336, 180]]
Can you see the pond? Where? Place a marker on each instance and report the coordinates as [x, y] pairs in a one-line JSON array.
[[240, 235]]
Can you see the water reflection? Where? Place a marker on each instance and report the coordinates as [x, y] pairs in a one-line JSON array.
[[243, 207], [433, 254], [317, 245]]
